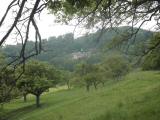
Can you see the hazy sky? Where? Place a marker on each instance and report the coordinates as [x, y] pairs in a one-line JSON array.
[[47, 26]]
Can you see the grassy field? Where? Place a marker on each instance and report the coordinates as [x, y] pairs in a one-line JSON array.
[[137, 97]]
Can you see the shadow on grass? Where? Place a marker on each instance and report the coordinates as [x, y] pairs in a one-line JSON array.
[[21, 111]]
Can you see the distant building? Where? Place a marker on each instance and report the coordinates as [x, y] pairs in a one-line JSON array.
[[80, 55]]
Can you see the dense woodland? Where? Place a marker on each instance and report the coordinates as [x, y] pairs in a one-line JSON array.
[[92, 48]]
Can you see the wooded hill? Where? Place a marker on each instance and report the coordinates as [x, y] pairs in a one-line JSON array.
[[65, 51]]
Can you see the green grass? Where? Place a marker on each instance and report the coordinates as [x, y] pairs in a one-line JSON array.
[[135, 98]]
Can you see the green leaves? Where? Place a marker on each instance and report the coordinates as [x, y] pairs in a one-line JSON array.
[[38, 77], [117, 66], [8, 89], [152, 59]]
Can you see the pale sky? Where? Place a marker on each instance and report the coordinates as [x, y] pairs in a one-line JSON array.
[[47, 26]]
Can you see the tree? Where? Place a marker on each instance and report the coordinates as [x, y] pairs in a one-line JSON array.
[[82, 70], [38, 78], [107, 13], [7, 86], [66, 78], [117, 66], [91, 74], [152, 59], [22, 86], [24, 18], [91, 79], [8, 90]]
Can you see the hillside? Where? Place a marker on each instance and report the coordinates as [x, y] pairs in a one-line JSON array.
[[134, 98], [65, 51]]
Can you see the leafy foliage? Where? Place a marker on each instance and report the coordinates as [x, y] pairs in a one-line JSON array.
[[152, 59], [117, 66], [8, 91], [113, 67], [59, 51], [38, 78]]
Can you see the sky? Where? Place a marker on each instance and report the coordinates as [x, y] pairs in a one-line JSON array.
[[47, 26]]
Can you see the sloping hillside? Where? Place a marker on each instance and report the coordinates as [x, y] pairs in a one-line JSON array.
[[135, 98], [63, 50]]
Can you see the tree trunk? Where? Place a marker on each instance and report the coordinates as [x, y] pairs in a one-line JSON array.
[[68, 84], [87, 87], [2, 106], [95, 85], [38, 100], [103, 84], [25, 97]]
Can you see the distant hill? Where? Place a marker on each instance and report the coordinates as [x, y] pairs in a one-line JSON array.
[[65, 51]]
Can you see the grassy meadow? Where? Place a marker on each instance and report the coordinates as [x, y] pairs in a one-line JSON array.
[[136, 97]]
